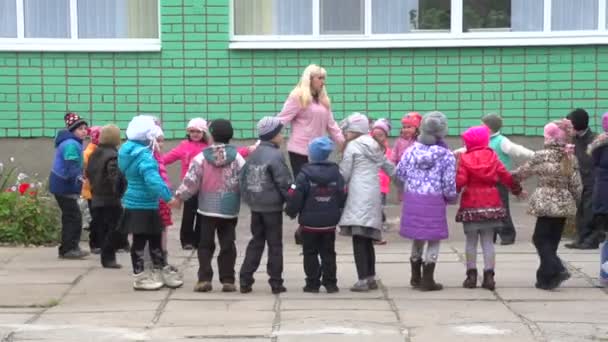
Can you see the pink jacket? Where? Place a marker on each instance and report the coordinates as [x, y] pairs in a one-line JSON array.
[[399, 148], [385, 180], [308, 123], [184, 152], [163, 208]]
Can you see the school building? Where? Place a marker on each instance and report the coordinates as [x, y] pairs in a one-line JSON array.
[[108, 60]]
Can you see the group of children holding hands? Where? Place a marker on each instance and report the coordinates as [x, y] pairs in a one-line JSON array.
[[130, 194]]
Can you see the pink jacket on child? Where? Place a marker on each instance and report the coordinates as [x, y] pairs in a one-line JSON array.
[[385, 180], [308, 123], [399, 148], [184, 152]]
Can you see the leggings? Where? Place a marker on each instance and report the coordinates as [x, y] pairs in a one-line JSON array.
[[487, 246], [432, 250]]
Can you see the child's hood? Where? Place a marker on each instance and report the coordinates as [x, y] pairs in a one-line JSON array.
[[369, 148], [425, 157], [64, 135], [220, 155], [481, 163], [129, 152], [321, 173]]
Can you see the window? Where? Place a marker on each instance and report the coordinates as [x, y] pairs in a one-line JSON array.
[[416, 23], [79, 25]]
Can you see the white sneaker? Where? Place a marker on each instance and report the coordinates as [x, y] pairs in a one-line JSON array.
[[146, 282], [605, 267], [171, 277]]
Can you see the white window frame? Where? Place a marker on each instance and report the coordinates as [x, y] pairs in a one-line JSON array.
[[21, 43], [454, 38]]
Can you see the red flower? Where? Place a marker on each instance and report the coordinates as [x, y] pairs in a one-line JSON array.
[[33, 193], [23, 188]]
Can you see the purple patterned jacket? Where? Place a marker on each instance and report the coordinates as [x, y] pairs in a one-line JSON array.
[[429, 176]]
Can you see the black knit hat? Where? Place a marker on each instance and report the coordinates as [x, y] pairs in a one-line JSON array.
[[579, 118], [221, 131], [73, 121]]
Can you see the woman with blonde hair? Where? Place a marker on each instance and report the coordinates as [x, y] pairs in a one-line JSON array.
[[308, 109]]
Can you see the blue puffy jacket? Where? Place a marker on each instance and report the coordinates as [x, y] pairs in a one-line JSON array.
[[144, 184], [66, 172]]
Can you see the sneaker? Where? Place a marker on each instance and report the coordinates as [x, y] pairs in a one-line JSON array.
[[278, 289], [372, 283], [310, 289], [228, 287], [203, 286], [360, 286], [171, 277], [146, 282], [95, 250], [332, 289], [74, 254], [245, 288]]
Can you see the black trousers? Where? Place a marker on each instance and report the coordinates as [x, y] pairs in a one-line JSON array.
[[547, 235], [587, 231], [365, 256], [315, 245], [227, 257], [94, 229], [71, 223], [190, 231], [297, 161], [507, 232], [266, 228], [138, 248], [107, 218]]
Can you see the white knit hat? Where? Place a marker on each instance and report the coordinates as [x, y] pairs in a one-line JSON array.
[[143, 128], [198, 123]]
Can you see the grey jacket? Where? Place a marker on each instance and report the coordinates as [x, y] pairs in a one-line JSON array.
[[363, 158], [265, 179]]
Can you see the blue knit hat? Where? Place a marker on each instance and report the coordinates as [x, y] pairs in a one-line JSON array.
[[319, 149]]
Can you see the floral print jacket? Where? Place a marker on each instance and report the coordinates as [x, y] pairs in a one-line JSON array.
[[559, 183]]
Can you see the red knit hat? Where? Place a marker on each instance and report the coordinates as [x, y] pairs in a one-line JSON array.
[[412, 119], [73, 121]]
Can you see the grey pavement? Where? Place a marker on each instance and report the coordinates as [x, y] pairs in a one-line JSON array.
[[43, 298]]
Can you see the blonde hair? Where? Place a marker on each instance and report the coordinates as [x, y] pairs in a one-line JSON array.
[[302, 89]]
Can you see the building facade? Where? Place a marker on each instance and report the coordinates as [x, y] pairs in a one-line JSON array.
[[239, 59]]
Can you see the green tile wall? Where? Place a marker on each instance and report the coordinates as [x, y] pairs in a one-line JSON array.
[[197, 75]]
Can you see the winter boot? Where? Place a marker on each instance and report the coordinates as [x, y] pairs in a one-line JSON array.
[[360, 286], [471, 281], [488, 280], [171, 277], [146, 282], [416, 277], [428, 282]]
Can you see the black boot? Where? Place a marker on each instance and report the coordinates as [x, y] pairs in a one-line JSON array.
[[471, 281], [416, 277], [428, 282], [488, 280]]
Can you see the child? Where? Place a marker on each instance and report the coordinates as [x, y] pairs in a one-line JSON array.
[[588, 236], [264, 182], [410, 124], [95, 242], [197, 139], [214, 175], [559, 189], [362, 217], [598, 150], [65, 182], [380, 131], [107, 187], [428, 171], [141, 216], [481, 210], [317, 197], [506, 151]]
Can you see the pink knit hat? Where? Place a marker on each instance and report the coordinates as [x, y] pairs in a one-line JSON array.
[[382, 124], [558, 132], [605, 122], [412, 119], [94, 132], [477, 136]]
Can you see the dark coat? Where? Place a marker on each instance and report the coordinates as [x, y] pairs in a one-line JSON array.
[[585, 164], [107, 182], [317, 196], [599, 157]]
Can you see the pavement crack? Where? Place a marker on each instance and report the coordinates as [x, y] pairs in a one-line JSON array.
[[403, 329], [276, 321]]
